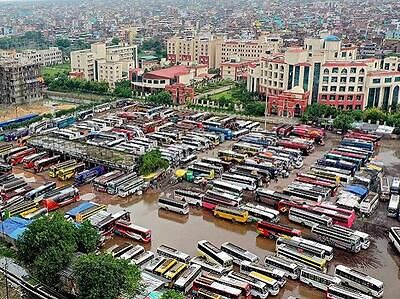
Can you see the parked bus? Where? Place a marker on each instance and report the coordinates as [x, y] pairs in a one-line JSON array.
[[212, 198], [155, 263], [231, 213], [385, 188], [360, 281], [39, 192], [5, 168], [134, 251], [270, 197], [273, 272], [246, 148], [185, 282], [238, 253], [364, 237], [191, 197], [258, 288], [216, 287], [274, 230], [342, 217], [369, 204], [227, 187], [45, 163], [173, 253], [213, 253], [261, 213], [302, 247], [331, 236], [247, 183], [238, 284], [142, 258], [307, 218], [317, 279], [232, 156], [53, 169], [394, 236], [132, 231], [272, 284], [208, 265], [206, 294], [173, 205], [337, 291], [174, 272], [291, 269], [327, 249], [101, 183], [301, 258], [29, 161]]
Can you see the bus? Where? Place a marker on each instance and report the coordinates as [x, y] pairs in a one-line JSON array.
[[275, 230], [142, 258], [231, 156], [239, 254], [394, 236], [132, 231], [231, 213], [279, 275], [206, 294], [291, 269], [53, 169], [335, 238], [212, 198], [385, 189], [39, 192], [185, 282], [238, 284], [261, 213], [243, 181], [134, 251], [208, 265], [270, 197], [337, 291], [304, 259], [101, 183], [227, 187], [393, 207], [173, 253], [216, 287], [272, 284], [213, 253], [359, 281], [167, 264], [342, 217], [174, 272], [5, 168], [301, 247], [246, 148], [173, 205], [327, 249], [191, 197], [307, 218], [364, 237], [29, 161], [258, 288], [45, 163], [395, 186], [369, 204], [317, 279]]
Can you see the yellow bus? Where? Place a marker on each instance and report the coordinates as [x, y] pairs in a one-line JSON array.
[[206, 294], [66, 173], [232, 156], [54, 168], [245, 148], [231, 213], [174, 272], [90, 212], [272, 284], [165, 266]]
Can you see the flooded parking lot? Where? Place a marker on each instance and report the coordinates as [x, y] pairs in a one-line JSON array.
[[183, 232]]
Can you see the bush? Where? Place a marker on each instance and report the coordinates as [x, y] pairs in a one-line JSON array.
[[151, 162]]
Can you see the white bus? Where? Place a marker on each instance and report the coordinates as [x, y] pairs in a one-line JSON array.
[[185, 282], [302, 247], [291, 269], [272, 284], [336, 291], [227, 187], [258, 288], [155, 263], [142, 258], [394, 236], [245, 182], [213, 253], [208, 266], [303, 259], [385, 188], [191, 197], [328, 249], [174, 205], [337, 239], [359, 281], [136, 250], [307, 218], [168, 251], [261, 212], [279, 275], [369, 204], [393, 207], [365, 240], [238, 253], [317, 279], [395, 186]]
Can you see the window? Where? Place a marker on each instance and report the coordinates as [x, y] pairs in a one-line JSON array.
[[343, 79], [325, 79], [332, 97], [388, 80], [359, 88], [397, 79], [341, 98], [344, 72], [386, 66], [349, 98], [344, 54], [360, 79], [333, 88], [352, 79], [376, 81], [324, 88], [342, 88], [358, 98], [351, 88], [326, 72], [334, 79], [353, 70], [323, 97], [335, 70]]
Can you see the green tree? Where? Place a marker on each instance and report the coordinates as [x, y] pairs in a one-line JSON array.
[[374, 115], [63, 43], [343, 122], [123, 89], [151, 162], [102, 276], [357, 114], [172, 294], [254, 108], [115, 41], [161, 98], [87, 237]]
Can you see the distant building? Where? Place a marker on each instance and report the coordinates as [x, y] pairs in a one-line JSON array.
[[214, 50], [46, 57], [331, 73], [289, 103], [104, 63], [20, 81], [236, 69], [393, 35]]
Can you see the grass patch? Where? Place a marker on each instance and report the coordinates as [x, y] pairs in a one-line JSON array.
[[54, 70], [225, 94]]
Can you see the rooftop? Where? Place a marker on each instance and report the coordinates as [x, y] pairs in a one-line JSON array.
[[169, 73]]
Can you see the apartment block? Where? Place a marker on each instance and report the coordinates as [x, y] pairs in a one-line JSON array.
[[214, 50], [20, 81], [104, 63], [330, 72], [46, 57]]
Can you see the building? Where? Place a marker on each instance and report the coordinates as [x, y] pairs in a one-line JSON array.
[[46, 57], [236, 69], [20, 81], [289, 103], [104, 63], [331, 73], [213, 50]]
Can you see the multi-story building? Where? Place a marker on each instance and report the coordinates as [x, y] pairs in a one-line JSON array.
[[214, 50], [46, 57], [331, 74], [104, 63], [20, 81]]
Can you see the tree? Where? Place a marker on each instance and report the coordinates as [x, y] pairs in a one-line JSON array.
[[374, 115], [357, 114], [115, 41], [123, 89], [63, 43], [343, 122], [103, 276], [161, 98], [254, 108], [87, 237], [151, 162], [172, 294]]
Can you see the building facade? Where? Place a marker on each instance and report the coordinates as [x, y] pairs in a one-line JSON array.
[[46, 57], [330, 72], [20, 81], [104, 63], [214, 50]]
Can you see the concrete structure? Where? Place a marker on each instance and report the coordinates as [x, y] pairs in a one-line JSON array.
[[236, 69], [20, 81], [213, 50], [46, 57], [289, 103], [104, 63], [330, 72]]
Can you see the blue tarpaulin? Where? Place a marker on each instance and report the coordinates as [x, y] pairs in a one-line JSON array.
[[13, 227], [82, 207], [358, 190]]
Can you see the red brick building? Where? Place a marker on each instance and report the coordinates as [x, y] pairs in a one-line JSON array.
[[180, 93], [289, 103]]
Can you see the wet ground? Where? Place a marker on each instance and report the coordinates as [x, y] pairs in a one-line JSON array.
[[183, 232]]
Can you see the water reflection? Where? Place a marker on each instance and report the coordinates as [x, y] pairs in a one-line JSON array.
[[168, 215]]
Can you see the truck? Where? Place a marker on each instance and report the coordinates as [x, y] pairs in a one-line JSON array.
[[88, 175]]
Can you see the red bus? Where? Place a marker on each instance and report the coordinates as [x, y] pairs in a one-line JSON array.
[[285, 205], [274, 230], [331, 185], [132, 231], [342, 217], [17, 158], [29, 161]]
